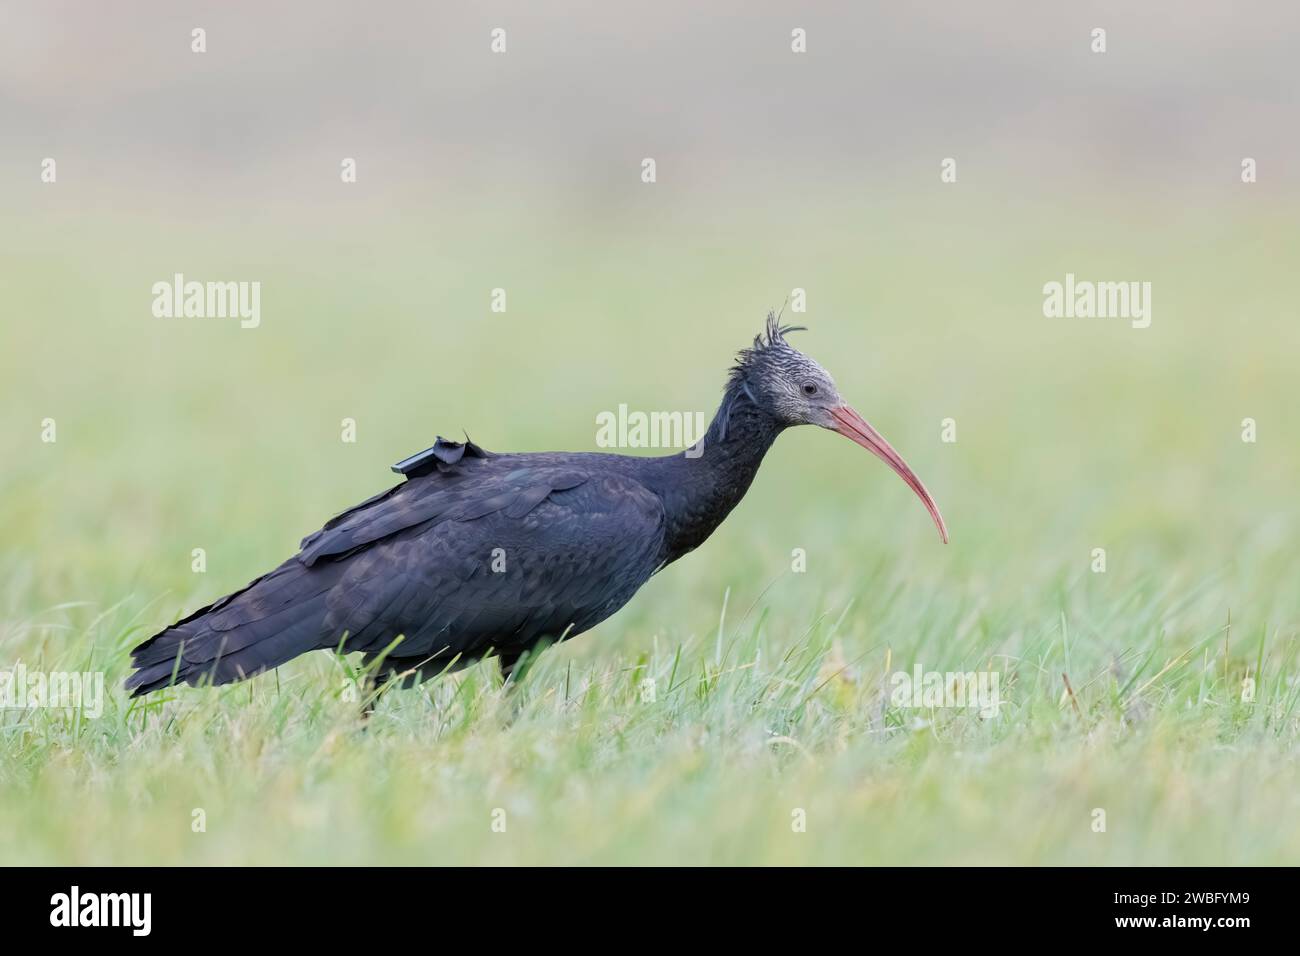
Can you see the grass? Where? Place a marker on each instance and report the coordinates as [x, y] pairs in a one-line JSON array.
[[771, 687]]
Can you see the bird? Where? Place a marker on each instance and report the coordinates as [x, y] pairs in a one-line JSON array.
[[476, 554]]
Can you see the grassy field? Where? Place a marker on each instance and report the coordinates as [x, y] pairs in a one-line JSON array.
[[772, 687]]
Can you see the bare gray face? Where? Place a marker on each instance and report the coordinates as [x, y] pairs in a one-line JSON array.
[[793, 388]]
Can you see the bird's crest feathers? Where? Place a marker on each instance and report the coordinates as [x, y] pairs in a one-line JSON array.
[[768, 342], [771, 339]]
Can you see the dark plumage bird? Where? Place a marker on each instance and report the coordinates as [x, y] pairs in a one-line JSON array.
[[478, 554]]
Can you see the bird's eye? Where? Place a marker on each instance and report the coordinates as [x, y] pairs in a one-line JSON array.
[[809, 388]]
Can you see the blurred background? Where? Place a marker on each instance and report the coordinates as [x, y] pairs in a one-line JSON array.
[[775, 171], [522, 171]]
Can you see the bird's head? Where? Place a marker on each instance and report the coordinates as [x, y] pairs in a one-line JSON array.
[[795, 390]]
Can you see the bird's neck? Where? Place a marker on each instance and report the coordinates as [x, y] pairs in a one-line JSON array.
[[700, 486]]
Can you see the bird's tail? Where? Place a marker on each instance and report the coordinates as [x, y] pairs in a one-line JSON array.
[[276, 617]]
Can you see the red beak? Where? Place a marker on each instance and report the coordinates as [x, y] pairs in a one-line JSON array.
[[852, 425]]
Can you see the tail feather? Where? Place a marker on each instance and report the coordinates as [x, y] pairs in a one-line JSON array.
[[272, 620]]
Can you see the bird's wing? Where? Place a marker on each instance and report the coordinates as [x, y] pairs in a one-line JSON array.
[[472, 489], [490, 553], [502, 572], [441, 465]]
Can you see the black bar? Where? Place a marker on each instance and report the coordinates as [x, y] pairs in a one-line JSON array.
[[334, 905]]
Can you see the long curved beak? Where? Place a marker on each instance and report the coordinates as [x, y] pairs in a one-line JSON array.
[[852, 425]]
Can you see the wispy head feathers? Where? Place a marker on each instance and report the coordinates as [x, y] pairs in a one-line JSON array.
[[770, 351], [766, 345]]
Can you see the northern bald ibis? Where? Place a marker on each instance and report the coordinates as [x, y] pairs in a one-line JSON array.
[[408, 577]]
